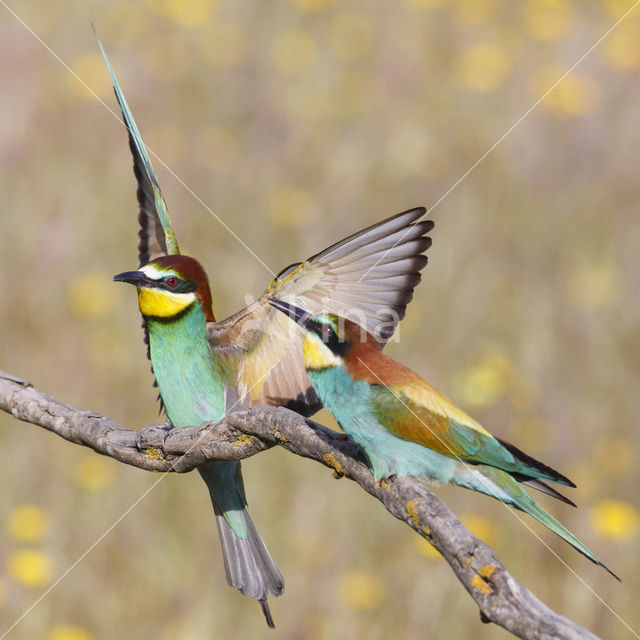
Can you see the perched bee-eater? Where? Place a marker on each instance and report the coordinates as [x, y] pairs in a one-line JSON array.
[[406, 427], [205, 368]]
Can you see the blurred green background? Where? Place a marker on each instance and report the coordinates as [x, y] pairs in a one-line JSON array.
[[297, 123]]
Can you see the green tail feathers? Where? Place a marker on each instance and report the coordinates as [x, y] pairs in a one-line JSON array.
[[499, 484]]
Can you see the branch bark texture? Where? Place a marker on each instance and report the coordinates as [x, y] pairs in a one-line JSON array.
[[500, 597]]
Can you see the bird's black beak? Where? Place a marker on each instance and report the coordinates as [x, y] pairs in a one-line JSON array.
[[136, 278], [300, 316]]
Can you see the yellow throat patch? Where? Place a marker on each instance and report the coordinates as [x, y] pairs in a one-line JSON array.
[[163, 304], [317, 355]]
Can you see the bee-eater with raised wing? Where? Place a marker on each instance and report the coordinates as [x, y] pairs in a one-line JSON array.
[[205, 368], [406, 427]]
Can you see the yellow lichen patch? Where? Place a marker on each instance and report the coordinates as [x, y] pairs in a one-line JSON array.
[[466, 562], [68, 632], [330, 461], [27, 523], [412, 511], [478, 583], [154, 454], [242, 440], [487, 571], [361, 590], [30, 568], [278, 436], [384, 485]]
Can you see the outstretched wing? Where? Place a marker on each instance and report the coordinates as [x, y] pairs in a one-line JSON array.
[[156, 236], [368, 277]]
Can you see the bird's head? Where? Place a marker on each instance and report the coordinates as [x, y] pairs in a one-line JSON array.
[[328, 338], [169, 285]]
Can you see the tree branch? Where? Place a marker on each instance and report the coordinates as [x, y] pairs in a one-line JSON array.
[[500, 597]]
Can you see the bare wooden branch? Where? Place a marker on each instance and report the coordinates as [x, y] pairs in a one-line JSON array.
[[500, 597]]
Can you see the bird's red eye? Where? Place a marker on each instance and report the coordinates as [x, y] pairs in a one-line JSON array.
[[171, 281]]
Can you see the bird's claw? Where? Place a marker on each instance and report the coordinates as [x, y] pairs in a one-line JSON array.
[[153, 436]]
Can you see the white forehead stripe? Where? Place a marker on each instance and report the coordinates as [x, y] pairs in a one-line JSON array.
[[154, 272]]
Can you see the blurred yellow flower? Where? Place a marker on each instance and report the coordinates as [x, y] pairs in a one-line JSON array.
[[90, 295], [30, 568], [28, 523], [68, 632], [223, 45], [481, 527], [426, 549], [313, 6], [216, 148], [483, 67], [351, 36], [475, 12], [615, 520], [548, 19], [595, 284], [426, 4], [188, 13], [622, 47], [289, 206], [614, 455], [576, 95], [90, 68], [94, 473], [361, 590], [617, 8], [483, 384], [293, 51]]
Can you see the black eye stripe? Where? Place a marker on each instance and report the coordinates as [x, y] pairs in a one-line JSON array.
[[327, 334], [182, 286]]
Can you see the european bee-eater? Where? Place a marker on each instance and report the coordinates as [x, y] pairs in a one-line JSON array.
[[205, 368], [406, 427]]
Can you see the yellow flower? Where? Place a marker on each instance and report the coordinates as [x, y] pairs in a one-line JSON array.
[[483, 384], [289, 206], [426, 549], [622, 47], [426, 4], [351, 36], [475, 12], [312, 6], [188, 13], [481, 527], [89, 67], [483, 67], [68, 632], [576, 95], [28, 523], [548, 19], [617, 8], [594, 284], [293, 51], [94, 473], [90, 295], [615, 520], [30, 568], [223, 45], [361, 590]]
